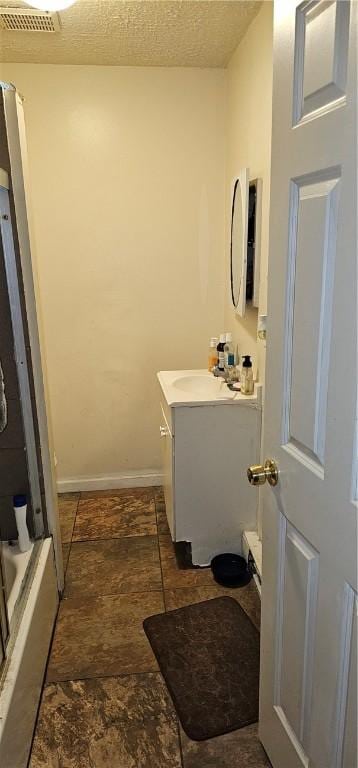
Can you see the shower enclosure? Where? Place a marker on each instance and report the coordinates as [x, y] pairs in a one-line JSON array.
[[29, 581]]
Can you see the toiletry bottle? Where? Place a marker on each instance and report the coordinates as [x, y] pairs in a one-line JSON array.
[[247, 376], [213, 354], [221, 353], [229, 351], [20, 507]]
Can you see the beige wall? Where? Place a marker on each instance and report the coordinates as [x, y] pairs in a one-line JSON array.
[[249, 145], [128, 195], [131, 172]]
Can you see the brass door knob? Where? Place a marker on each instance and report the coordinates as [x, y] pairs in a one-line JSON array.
[[258, 473]]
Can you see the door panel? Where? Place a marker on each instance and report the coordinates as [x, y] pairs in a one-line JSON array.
[[321, 47], [309, 590], [298, 571], [310, 279], [346, 713]]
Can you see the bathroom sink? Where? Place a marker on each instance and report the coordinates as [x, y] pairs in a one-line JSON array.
[[199, 387], [199, 384]]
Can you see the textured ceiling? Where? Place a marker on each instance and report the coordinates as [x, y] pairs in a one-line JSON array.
[[174, 33]]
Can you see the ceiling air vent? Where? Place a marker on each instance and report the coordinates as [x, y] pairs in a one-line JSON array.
[[28, 20]]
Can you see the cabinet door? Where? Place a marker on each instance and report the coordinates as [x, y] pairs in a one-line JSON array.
[[167, 442]]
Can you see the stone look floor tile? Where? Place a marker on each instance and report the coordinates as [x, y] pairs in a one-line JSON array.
[[67, 512], [146, 494], [162, 522], [113, 566], [103, 636], [239, 749], [132, 513], [247, 597], [65, 554], [125, 722], [158, 491], [173, 576]]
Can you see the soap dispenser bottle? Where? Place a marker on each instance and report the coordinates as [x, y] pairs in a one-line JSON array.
[[247, 376]]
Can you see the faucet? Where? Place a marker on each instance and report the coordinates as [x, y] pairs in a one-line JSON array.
[[218, 373], [224, 375]]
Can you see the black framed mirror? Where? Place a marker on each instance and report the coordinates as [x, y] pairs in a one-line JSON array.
[[245, 242], [238, 241]]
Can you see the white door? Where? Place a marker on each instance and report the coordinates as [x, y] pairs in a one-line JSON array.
[[309, 598]]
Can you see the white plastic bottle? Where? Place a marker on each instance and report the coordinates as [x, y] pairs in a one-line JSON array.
[[20, 508]]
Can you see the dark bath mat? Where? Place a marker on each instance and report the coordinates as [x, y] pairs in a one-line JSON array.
[[209, 656]]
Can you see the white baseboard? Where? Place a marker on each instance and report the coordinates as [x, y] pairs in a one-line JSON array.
[[130, 479], [252, 543]]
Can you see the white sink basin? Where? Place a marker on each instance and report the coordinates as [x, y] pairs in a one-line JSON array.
[[199, 387], [199, 384]]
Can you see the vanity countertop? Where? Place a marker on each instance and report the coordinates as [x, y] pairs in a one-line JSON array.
[[199, 387]]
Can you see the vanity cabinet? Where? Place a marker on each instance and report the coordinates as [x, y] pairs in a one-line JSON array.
[[167, 445], [207, 446]]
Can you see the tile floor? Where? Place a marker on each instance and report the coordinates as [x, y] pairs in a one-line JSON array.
[[104, 704]]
